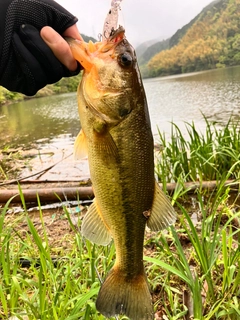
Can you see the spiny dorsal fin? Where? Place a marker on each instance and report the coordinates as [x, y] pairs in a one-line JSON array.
[[93, 226], [162, 212], [80, 146]]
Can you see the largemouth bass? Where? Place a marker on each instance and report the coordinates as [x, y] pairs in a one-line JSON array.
[[116, 135]]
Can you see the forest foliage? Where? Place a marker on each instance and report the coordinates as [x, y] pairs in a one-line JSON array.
[[212, 41]]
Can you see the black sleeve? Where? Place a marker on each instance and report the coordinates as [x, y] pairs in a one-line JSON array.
[[27, 64]]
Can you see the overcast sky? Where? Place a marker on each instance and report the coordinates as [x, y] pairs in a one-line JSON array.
[[142, 19]]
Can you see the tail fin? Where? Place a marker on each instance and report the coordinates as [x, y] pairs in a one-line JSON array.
[[128, 296]]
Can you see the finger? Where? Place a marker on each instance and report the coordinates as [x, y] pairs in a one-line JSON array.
[[59, 47]]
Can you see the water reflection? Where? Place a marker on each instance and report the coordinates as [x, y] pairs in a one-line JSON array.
[[29, 121]]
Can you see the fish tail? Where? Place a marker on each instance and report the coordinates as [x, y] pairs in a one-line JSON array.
[[121, 294]]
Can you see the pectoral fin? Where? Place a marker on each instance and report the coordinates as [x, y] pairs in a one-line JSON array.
[[106, 146], [162, 213], [93, 226], [80, 146]]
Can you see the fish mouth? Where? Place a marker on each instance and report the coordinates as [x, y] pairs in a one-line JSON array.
[[117, 35], [112, 41]]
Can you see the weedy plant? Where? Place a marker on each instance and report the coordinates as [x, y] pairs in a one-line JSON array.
[[199, 156], [59, 288], [199, 263], [11, 162]]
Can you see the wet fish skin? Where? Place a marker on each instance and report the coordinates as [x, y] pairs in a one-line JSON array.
[[116, 134]]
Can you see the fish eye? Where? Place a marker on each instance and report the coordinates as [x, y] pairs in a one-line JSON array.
[[125, 59]]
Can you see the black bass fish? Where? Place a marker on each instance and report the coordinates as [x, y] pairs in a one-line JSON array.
[[116, 135]]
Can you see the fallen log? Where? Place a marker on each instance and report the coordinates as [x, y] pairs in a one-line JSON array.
[[47, 194], [86, 193]]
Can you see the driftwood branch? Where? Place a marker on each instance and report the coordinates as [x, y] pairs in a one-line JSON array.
[[85, 193]]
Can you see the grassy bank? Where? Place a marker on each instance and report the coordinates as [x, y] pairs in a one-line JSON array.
[[193, 267], [63, 86]]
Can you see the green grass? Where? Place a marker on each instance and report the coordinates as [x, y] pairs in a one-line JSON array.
[[201, 260], [210, 155], [194, 265], [208, 266], [48, 291]]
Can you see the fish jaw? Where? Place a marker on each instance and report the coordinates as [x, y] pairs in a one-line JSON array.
[[81, 53]]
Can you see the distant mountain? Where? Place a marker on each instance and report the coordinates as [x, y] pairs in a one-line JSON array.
[[144, 46], [151, 50], [210, 40]]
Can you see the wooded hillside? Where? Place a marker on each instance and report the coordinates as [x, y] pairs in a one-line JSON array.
[[212, 40]]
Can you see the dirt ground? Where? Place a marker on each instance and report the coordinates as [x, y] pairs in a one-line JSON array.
[[43, 170]]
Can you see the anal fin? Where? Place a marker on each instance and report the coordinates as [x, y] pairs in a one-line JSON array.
[[93, 226], [162, 212]]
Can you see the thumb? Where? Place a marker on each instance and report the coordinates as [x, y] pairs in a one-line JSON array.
[[59, 46]]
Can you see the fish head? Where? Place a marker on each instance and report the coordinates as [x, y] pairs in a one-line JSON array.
[[111, 77], [116, 62]]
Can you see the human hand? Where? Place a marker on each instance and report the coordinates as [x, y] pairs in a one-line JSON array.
[[31, 54]]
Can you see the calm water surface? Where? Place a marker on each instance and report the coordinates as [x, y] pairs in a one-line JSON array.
[[180, 99], [186, 98]]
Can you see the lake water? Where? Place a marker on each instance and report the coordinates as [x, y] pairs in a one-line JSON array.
[[180, 99]]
